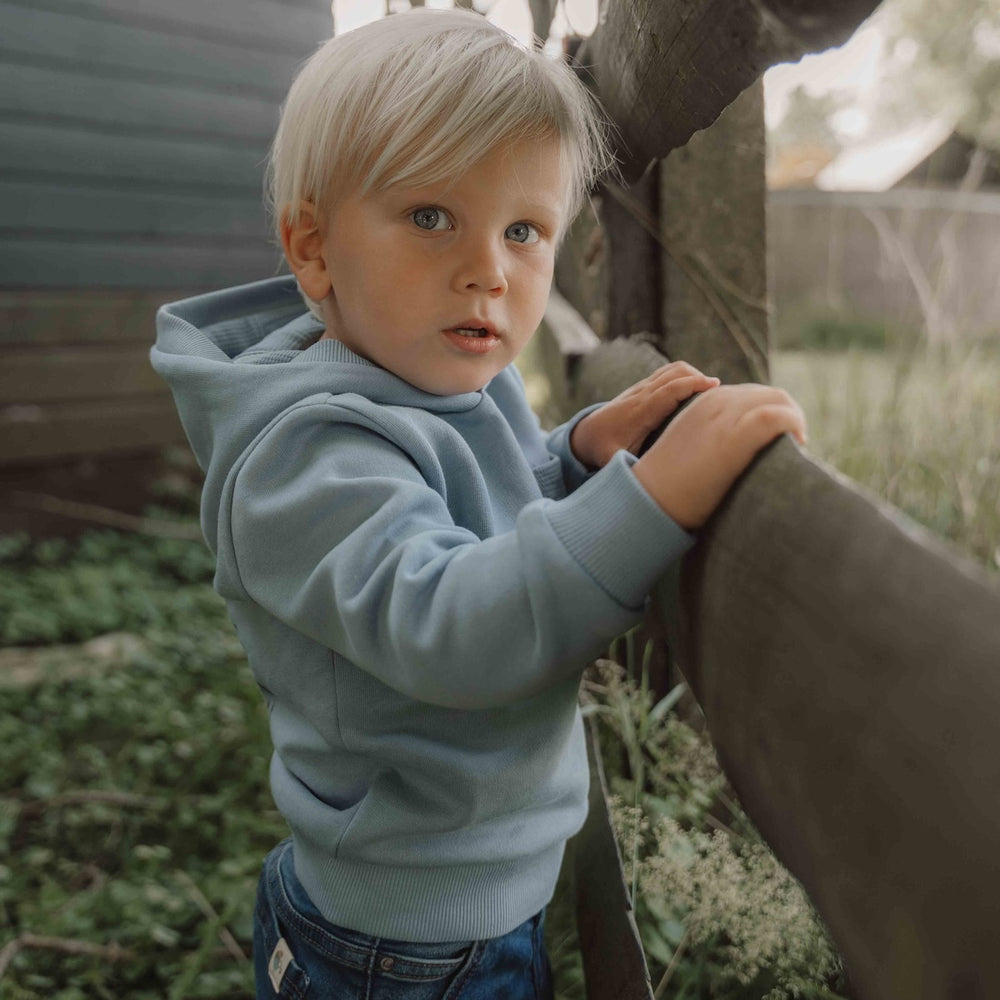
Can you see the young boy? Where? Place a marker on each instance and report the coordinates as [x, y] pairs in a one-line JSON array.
[[417, 572]]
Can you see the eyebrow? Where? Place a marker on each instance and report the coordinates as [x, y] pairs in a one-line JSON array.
[[542, 208]]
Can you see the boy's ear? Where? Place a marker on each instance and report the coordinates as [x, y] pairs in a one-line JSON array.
[[303, 245]]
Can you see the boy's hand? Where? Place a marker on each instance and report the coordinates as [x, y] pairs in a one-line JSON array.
[[690, 468], [631, 416]]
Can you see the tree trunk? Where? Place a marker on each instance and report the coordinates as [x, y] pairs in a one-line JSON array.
[[712, 195], [665, 70]]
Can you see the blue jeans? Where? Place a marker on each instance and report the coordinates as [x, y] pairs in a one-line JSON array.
[[308, 957]]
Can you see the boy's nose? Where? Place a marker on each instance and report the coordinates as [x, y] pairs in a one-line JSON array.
[[480, 268]]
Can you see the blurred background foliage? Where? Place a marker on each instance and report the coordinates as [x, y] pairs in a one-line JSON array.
[[936, 58]]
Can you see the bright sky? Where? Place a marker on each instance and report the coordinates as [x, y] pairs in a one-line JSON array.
[[855, 67], [872, 161]]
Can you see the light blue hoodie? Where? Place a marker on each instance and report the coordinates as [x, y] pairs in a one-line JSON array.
[[418, 581]]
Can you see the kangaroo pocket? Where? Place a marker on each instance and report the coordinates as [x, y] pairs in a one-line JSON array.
[[466, 786]]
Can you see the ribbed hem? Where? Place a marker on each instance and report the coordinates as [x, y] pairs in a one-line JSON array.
[[618, 532], [460, 903]]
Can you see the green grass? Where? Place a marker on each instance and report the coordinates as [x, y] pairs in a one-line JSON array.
[[808, 327], [919, 429], [136, 812]]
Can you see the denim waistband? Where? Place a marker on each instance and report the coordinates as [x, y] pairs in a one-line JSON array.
[[352, 948]]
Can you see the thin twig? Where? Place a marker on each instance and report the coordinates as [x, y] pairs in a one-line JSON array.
[[199, 900], [717, 824], [85, 796], [672, 967], [645, 219], [68, 946], [635, 844], [895, 246], [103, 515], [706, 283]]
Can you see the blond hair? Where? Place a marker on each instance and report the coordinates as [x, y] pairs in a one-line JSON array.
[[420, 97]]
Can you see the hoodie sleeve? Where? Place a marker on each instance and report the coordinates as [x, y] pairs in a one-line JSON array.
[[339, 536], [575, 473], [556, 441]]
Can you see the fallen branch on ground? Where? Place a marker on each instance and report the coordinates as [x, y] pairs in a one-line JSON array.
[[104, 515], [68, 946]]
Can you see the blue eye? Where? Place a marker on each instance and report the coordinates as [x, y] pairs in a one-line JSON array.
[[430, 219], [522, 232]]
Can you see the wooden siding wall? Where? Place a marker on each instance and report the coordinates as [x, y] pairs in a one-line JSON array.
[[133, 135]]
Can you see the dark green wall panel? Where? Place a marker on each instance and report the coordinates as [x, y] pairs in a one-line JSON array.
[[269, 26], [46, 208], [133, 136], [46, 37], [124, 263], [83, 155], [54, 94]]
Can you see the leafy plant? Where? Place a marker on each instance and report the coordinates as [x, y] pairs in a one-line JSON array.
[[138, 812], [59, 591], [717, 914]]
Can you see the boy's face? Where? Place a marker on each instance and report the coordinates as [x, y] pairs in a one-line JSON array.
[[414, 270]]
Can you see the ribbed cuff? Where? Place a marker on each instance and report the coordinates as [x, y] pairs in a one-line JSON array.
[[618, 532], [575, 473]]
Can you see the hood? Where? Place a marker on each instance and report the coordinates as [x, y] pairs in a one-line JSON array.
[[237, 358]]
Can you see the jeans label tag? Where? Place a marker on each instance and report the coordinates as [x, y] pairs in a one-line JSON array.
[[280, 959]]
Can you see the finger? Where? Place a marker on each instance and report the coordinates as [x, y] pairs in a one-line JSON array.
[[667, 396], [746, 395], [780, 398], [682, 384], [665, 375], [766, 421], [736, 406], [695, 378], [665, 399], [674, 370]]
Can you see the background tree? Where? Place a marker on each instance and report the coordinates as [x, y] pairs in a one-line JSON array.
[[945, 58]]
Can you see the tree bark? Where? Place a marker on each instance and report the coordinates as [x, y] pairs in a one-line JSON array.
[[633, 259], [712, 218], [665, 70]]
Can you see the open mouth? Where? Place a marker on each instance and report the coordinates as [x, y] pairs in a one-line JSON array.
[[473, 339]]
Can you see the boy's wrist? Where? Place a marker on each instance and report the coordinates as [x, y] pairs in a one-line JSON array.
[[665, 494], [577, 447]]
